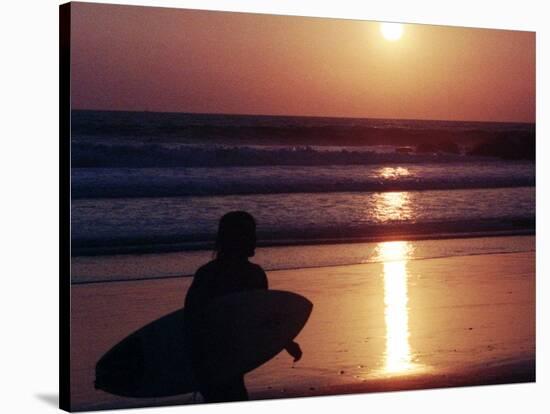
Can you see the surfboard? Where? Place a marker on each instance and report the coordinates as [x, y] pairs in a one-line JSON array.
[[239, 332]]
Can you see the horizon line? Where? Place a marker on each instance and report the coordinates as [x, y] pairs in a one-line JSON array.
[[300, 116]]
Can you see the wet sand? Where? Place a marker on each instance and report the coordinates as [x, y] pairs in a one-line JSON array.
[[397, 325]]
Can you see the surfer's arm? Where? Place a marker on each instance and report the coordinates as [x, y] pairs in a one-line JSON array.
[[265, 284], [198, 291], [293, 348], [260, 278]]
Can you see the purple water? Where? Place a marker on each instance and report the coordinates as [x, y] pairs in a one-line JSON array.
[[160, 182]]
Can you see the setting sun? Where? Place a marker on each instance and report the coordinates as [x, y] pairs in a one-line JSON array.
[[391, 31]]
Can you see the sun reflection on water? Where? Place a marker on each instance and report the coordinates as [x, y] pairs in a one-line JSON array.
[[393, 173], [392, 206]]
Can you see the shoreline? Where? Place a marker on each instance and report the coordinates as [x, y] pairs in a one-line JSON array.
[[525, 227], [170, 265], [185, 276]]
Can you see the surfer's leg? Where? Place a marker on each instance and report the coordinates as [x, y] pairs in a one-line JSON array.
[[238, 390], [209, 394]]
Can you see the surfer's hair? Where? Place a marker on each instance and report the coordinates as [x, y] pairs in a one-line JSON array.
[[236, 235]]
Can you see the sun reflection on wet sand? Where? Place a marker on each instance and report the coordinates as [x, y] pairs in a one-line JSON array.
[[398, 356]]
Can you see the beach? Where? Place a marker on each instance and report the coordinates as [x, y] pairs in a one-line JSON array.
[[397, 323]]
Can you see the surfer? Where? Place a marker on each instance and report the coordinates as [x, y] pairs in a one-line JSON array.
[[229, 272]]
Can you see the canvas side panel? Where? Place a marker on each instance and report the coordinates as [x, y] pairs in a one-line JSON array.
[[64, 205]]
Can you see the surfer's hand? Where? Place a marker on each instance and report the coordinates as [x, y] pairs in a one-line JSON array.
[[294, 350]]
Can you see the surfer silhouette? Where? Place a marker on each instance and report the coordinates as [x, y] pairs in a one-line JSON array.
[[229, 272]]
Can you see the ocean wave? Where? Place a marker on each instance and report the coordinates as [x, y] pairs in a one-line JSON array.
[[174, 189], [178, 182], [94, 155]]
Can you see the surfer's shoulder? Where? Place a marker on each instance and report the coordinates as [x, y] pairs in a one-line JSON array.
[[256, 268], [207, 268], [259, 275]]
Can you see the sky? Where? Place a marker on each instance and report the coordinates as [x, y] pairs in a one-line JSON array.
[[175, 60]]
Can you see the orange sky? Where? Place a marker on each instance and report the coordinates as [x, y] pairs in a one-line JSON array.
[[160, 59]]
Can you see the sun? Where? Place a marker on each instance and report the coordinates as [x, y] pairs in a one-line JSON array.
[[391, 31]]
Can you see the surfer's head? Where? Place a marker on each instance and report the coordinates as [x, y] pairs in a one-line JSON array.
[[236, 235]]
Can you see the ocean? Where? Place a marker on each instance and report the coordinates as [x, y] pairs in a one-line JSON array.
[[149, 184]]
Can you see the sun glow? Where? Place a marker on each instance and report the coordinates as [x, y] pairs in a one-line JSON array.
[[391, 31]]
